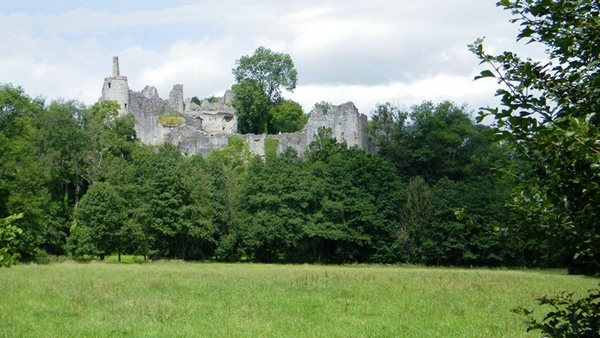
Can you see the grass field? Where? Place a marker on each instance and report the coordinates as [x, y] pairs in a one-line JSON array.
[[176, 299]]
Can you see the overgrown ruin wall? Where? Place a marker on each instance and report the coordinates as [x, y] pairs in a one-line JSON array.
[[200, 129]]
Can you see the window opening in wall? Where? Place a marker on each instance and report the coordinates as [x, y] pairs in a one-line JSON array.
[[125, 105], [109, 85]]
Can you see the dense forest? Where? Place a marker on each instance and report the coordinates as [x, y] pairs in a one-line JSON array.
[[431, 195]]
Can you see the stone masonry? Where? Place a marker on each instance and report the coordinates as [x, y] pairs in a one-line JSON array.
[[208, 126]]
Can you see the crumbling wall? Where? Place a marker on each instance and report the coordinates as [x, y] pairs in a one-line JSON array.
[[346, 124], [216, 117], [202, 144], [176, 98], [145, 107], [207, 127], [298, 141]]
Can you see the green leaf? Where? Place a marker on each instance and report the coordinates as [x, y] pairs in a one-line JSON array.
[[485, 73]]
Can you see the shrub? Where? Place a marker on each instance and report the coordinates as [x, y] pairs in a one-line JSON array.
[[568, 317], [172, 119]]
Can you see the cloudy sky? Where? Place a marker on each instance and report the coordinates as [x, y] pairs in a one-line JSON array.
[[398, 51]]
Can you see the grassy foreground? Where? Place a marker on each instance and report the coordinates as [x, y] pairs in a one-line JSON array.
[[176, 299]]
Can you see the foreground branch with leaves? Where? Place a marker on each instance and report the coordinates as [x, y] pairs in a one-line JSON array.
[[569, 317], [549, 116]]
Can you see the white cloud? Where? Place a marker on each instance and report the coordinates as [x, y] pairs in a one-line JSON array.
[[459, 89], [403, 52]]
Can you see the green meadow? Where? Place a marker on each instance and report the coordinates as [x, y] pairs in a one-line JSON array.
[[178, 299]]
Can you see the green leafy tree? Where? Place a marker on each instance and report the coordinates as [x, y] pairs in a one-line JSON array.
[[272, 71], [277, 204], [431, 140], [386, 121], [228, 171], [252, 106], [416, 219], [23, 178], [356, 198], [8, 236], [177, 205], [260, 79], [200, 210], [99, 220], [107, 136], [61, 143], [286, 116], [549, 116], [438, 148]]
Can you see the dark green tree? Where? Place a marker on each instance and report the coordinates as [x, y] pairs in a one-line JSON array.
[[431, 140], [386, 121], [61, 143], [286, 116], [438, 148], [252, 106], [99, 221], [100, 125], [23, 178], [8, 236], [277, 205], [177, 206], [417, 216], [354, 218]]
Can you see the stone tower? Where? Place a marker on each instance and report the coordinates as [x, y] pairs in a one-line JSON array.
[[116, 88]]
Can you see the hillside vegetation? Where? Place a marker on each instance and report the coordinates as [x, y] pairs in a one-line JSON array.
[[88, 188]]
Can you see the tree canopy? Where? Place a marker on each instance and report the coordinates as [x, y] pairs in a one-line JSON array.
[[258, 101], [272, 71]]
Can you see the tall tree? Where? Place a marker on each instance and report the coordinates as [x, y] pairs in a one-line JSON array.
[[431, 140], [271, 70], [550, 116], [252, 106], [99, 222], [23, 179], [61, 143], [260, 79], [386, 120]]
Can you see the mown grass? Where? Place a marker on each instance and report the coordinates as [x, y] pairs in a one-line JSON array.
[[176, 299]]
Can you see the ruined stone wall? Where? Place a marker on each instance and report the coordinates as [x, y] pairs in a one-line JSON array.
[[216, 117], [145, 106], [207, 127], [176, 98], [202, 144], [297, 141], [346, 124]]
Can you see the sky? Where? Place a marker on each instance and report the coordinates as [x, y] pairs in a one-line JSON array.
[[368, 52]]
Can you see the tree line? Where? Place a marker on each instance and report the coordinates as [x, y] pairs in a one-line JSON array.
[[86, 187]]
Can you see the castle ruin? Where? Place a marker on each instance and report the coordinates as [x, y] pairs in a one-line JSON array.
[[200, 129]]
